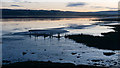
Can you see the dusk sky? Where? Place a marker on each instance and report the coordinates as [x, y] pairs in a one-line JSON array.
[[63, 5]]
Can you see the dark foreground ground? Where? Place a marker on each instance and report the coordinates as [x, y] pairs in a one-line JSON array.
[[37, 64]]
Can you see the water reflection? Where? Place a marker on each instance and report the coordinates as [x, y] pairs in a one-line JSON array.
[[55, 47], [45, 19]]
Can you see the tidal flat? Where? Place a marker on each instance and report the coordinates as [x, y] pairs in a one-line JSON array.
[[83, 42]]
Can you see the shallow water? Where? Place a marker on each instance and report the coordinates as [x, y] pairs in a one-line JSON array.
[[18, 48]]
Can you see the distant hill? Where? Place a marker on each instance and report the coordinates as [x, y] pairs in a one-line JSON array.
[[14, 13]]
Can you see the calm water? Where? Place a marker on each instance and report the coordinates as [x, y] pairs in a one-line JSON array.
[[73, 25], [18, 48]]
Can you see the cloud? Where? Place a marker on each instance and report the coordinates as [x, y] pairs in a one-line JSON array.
[[97, 7], [103, 7], [25, 1], [16, 0], [15, 5], [111, 8], [76, 4]]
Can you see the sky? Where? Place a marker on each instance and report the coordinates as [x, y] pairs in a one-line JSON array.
[[63, 5]]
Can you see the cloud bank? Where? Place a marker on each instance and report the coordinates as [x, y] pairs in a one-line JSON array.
[[103, 7], [76, 4], [15, 5]]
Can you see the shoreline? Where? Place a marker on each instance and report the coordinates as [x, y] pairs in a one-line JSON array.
[[108, 41], [49, 64], [82, 16], [108, 19], [38, 64]]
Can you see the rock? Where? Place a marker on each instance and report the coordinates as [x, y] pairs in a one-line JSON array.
[[108, 53], [78, 56], [73, 53], [60, 59], [115, 63], [32, 53], [24, 53], [96, 60], [44, 49], [83, 52], [6, 61], [96, 64]]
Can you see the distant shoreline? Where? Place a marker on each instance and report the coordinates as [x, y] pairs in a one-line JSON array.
[[10, 13], [48, 17], [62, 17]]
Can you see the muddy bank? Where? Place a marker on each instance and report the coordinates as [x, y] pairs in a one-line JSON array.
[[37, 64], [110, 40], [108, 19]]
